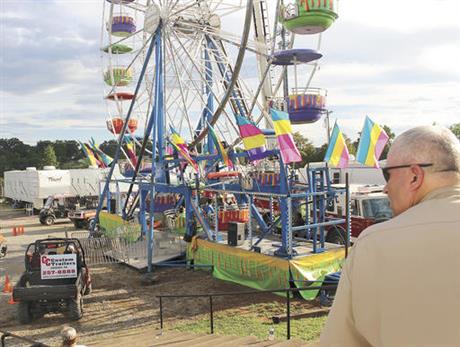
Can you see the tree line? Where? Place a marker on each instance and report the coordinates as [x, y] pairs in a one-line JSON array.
[[66, 154], [63, 154]]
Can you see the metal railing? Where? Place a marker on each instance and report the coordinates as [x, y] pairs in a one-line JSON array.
[[281, 290], [6, 334]]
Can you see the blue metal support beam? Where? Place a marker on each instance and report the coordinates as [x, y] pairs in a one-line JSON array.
[[157, 139]]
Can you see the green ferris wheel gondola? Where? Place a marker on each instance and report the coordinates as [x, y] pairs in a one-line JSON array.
[[121, 76], [117, 48], [308, 16]]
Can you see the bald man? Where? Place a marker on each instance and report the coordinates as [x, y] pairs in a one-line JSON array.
[[400, 286]]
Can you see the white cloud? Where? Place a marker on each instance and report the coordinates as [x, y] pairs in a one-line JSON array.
[[441, 58], [402, 16]]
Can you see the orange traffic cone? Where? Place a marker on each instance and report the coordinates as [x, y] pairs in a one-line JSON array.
[[11, 301], [15, 232], [7, 288], [21, 230]]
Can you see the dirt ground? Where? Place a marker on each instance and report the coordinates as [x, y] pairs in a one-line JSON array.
[[120, 300]]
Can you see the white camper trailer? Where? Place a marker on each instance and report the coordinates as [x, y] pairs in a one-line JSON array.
[[34, 186]]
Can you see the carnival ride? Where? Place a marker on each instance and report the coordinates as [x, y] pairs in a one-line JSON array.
[[170, 76]]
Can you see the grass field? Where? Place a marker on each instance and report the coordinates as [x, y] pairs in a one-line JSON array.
[[256, 321]]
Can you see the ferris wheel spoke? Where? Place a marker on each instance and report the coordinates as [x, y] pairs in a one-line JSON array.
[[177, 56], [174, 57], [186, 7], [225, 36], [196, 69], [225, 7], [136, 6], [187, 72]]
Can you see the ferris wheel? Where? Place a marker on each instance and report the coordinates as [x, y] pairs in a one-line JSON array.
[[192, 75], [172, 69]]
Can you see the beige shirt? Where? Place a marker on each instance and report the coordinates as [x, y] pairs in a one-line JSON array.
[[400, 286]]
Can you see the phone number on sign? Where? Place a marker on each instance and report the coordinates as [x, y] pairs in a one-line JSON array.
[[52, 272]]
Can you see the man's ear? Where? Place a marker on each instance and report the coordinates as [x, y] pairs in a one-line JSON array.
[[418, 175]]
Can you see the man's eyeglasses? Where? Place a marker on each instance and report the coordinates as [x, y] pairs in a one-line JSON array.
[[386, 173]]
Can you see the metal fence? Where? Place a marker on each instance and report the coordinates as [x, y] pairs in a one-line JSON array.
[[122, 249], [107, 250], [326, 286]]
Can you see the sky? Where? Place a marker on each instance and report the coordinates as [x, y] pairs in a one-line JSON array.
[[395, 61]]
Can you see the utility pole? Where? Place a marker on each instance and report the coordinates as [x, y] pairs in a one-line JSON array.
[[328, 126]]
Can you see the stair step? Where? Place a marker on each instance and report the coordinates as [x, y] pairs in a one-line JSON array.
[[222, 340], [265, 343], [241, 341], [199, 341], [172, 339], [218, 341], [290, 343]]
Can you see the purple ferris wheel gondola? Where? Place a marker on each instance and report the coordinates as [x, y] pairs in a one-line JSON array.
[[123, 26], [303, 106]]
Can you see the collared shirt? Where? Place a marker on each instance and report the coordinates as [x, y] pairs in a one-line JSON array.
[[400, 286]]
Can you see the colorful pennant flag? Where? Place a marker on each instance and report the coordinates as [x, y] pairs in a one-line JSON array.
[[130, 150], [283, 131], [89, 154], [337, 152], [181, 147], [371, 144], [104, 158], [220, 148], [253, 138]]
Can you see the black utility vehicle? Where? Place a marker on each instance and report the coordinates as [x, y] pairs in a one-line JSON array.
[[55, 207], [39, 296]]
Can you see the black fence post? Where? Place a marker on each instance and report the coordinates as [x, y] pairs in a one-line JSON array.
[[288, 314], [4, 336], [161, 314], [211, 314]]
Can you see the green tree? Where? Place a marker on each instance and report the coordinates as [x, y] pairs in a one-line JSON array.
[[16, 155], [305, 147], [110, 147], [320, 153], [49, 156], [74, 164], [350, 145], [391, 137], [67, 151], [455, 128]]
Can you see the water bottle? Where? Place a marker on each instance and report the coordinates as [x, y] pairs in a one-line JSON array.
[[271, 334]]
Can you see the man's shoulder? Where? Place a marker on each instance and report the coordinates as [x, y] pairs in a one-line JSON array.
[[376, 230], [380, 230]]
